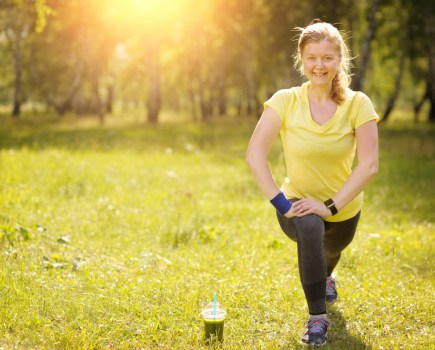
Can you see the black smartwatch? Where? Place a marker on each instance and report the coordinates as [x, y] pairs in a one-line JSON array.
[[331, 206]]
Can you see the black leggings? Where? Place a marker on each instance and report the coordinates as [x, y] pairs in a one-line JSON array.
[[320, 244]]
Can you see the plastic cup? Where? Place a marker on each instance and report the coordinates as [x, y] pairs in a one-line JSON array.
[[213, 322]]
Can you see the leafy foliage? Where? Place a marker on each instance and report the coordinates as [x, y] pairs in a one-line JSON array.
[[215, 58]]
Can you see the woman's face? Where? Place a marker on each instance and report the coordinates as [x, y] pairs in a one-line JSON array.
[[321, 61]]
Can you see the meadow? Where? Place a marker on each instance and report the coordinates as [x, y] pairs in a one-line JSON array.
[[115, 237]]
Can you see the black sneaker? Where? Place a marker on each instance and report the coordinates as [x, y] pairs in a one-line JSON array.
[[316, 332], [331, 290]]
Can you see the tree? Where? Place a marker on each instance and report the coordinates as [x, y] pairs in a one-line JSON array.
[[409, 36], [19, 20], [70, 61], [212, 57], [402, 31], [153, 73], [363, 62], [429, 27]]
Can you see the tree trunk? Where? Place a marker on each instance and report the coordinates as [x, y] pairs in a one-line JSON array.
[[222, 104], [221, 83], [192, 99], [332, 8], [15, 38], [253, 103], [154, 98], [16, 30], [239, 107], [419, 104], [430, 34], [397, 83], [66, 103], [395, 94], [205, 95], [98, 108], [350, 22], [205, 102], [431, 94], [358, 82], [109, 98], [18, 84]]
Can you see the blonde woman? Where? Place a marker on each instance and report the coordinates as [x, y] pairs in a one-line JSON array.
[[322, 125]]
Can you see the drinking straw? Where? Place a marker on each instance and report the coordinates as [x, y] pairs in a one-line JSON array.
[[214, 305]]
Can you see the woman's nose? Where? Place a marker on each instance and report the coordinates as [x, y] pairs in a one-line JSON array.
[[319, 63]]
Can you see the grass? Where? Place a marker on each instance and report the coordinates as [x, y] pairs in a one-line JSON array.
[[116, 236]]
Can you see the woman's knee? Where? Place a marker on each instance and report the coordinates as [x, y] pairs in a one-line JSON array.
[[287, 226], [310, 227]]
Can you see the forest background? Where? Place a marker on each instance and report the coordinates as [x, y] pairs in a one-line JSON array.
[[207, 58], [125, 201]]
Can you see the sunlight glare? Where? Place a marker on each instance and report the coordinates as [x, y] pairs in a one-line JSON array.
[[154, 12]]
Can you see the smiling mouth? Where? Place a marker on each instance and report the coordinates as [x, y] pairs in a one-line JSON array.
[[319, 74]]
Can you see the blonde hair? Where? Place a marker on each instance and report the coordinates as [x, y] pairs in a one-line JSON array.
[[316, 32]]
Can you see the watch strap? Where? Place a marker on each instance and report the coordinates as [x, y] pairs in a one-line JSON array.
[[331, 206]]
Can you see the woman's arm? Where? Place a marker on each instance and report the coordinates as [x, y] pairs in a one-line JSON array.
[[258, 149], [368, 154], [368, 160]]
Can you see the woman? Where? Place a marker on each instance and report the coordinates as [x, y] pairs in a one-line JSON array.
[[321, 124]]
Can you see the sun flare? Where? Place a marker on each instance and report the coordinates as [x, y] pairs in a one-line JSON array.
[[154, 13]]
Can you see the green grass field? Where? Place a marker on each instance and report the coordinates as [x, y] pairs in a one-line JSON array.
[[115, 237]]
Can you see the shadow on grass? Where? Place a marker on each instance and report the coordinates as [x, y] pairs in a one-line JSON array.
[[38, 135], [339, 337]]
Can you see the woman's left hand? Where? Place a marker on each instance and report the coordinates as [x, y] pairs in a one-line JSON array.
[[307, 206]]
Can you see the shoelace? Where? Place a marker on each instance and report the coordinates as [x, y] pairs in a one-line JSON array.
[[318, 325]]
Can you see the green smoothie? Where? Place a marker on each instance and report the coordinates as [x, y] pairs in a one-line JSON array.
[[214, 329], [214, 317]]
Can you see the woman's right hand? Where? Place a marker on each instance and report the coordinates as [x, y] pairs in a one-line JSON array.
[[291, 213]]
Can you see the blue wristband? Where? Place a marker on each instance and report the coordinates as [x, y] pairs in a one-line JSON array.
[[281, 203]]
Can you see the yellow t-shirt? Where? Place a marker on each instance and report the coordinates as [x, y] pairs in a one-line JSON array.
[[319, 157]]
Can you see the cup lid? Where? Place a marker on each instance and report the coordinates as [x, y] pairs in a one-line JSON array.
[[208, 312]]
